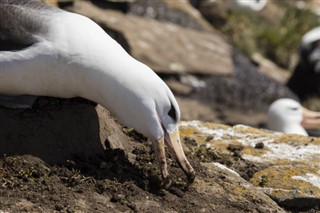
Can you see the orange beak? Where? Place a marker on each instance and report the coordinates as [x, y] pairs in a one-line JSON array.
[[174, 145], [311, 119]]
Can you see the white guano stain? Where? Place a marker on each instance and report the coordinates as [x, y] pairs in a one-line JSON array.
[[275, 151], [309, 178]]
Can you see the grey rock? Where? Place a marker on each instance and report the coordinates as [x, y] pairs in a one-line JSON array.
[[181, 50]]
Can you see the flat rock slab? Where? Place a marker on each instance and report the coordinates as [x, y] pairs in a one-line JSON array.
[[57, 129], [290, 168], [224, 183], [165, 47]]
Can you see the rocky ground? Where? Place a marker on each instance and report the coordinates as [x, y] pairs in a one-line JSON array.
[[114, 180], [238, 170], [70, 155]]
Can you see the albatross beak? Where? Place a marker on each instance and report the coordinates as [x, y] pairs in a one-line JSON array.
[[311, 119], [174, 144]]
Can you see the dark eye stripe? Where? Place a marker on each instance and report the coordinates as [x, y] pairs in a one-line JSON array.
[[172, 113]]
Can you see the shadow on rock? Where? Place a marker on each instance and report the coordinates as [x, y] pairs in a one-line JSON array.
[[53, 130], [79, 135]]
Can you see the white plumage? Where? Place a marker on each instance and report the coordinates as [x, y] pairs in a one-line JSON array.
[[288, 116], [254, 5], [285, 115], [311, 36]]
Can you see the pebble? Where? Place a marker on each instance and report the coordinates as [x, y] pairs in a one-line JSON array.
[[259, 145]]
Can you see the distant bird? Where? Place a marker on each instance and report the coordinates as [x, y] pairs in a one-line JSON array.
[[288, 116], [254, 5], [46, 51], [305, 80]]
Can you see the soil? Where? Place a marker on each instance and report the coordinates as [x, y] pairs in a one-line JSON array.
[[113, 180], [105, 183]]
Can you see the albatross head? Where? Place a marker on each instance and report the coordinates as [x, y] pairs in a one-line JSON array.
[[128, 89], [287, 115], [145, 103], [168, 115]]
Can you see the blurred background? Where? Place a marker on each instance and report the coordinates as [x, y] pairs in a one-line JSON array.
[[226, 61]]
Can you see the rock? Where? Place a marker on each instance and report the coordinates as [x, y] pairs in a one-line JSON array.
[[243, 97], [147, 205], [195, 109], [224, 183], [259, 145], [287, 168], [55, 130], [177, 12], [247, 90], [298, 187], [24, 204], [179, 88], [216, 12], [270, 69], [180, 47], [111, 135], [59, 129]]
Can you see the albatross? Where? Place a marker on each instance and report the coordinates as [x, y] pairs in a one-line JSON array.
[[45, 51], [253, 5], [288, 116], [305, 80]]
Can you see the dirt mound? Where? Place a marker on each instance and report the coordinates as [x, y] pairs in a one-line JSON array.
[[48, 163]]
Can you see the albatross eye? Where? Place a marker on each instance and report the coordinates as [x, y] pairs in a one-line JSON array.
[[172, 113], [293, 108]]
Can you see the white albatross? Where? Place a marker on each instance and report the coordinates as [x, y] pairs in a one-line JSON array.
[[253, 5], [46, 51], [288, 116]]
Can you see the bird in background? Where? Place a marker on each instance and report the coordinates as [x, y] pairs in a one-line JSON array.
[[253, 5], [288, 116]]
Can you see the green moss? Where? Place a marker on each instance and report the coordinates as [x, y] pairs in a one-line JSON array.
[[249, 130], [15, 169], [281, 178], [254, 152], [277, 39], [188, 131], [279, 42], [263, 181], [214, 126], [28, 173], [293, 139], [205, 154]]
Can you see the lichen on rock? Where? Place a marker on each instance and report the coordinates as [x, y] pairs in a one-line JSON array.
[[289, 168]]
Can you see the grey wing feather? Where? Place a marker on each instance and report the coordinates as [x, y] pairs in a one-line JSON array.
[[23, 23]]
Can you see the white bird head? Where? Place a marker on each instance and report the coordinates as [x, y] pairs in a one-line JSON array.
[[149, 106], [254, 5], [288, 116]]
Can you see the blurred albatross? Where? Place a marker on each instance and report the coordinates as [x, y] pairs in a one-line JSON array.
[[288, 116], [47, 51], [253, 5]]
